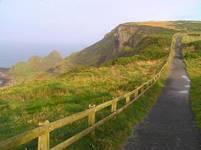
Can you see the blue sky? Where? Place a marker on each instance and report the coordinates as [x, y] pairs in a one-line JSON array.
[[81, 22]]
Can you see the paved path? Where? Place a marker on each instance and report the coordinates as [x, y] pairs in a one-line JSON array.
[[170, 124]]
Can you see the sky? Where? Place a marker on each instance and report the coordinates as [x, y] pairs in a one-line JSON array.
[[35, 27]]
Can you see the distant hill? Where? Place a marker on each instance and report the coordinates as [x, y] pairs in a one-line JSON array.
[[35, 65]]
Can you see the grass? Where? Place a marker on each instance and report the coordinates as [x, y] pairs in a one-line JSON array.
[[189, 26], [192, 55], [191, 39]]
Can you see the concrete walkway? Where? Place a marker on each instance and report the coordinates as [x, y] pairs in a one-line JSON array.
[[170, 124]]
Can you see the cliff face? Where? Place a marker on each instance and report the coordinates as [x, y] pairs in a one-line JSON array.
[[122, 41], [125, 35]]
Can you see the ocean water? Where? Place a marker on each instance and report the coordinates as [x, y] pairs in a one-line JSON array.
[[12, 53]]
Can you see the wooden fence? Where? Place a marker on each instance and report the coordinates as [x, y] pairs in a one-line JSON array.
[[43, 131]]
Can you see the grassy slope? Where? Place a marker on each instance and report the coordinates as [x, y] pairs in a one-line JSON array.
[[192, 54], [180, 26], [191, 26]]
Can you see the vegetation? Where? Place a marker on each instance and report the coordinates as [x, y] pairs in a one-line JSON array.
[[190, 38], [179, 26], [188, 26], [192, 55]]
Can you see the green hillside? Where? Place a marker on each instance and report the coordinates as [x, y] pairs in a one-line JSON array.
[[188, 26]]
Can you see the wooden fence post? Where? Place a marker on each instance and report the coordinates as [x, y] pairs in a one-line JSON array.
[[136, 94], [43, 140], [114, 105], [127, 99], [92, 116], [152, 82]]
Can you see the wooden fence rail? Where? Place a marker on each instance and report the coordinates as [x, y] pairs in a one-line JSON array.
[[44, 129]]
